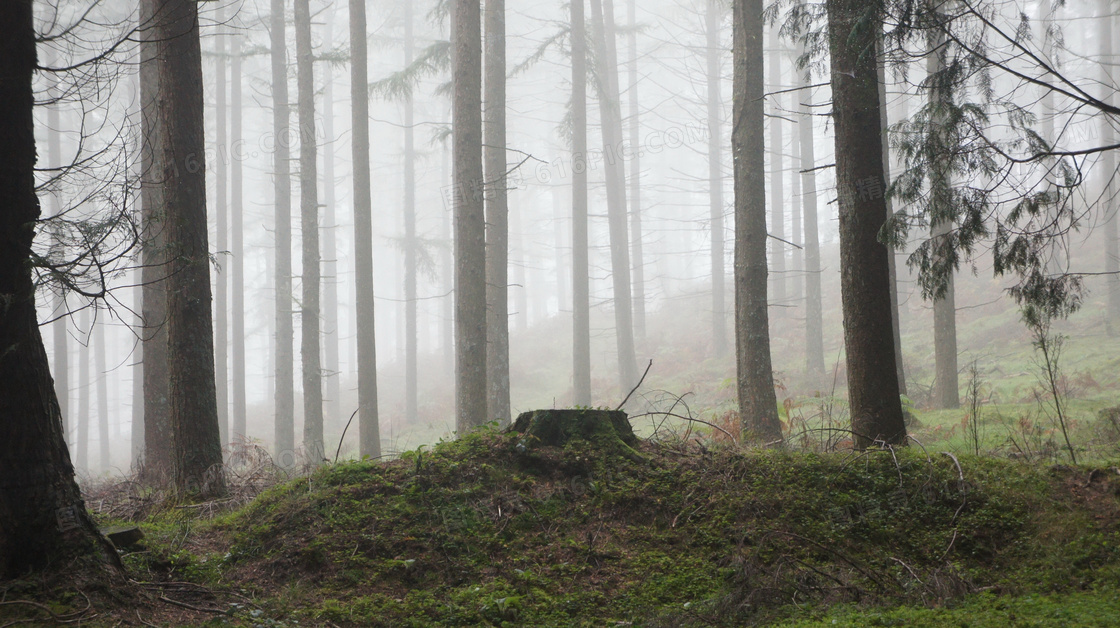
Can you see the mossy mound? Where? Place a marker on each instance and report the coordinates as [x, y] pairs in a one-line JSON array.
[[481, 532]]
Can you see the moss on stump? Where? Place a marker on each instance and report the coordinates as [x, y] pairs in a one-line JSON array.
[[604, 429]]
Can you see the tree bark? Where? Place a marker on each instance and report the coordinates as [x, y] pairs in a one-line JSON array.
[[193, 409], [814, 323], [309, 222], [876, 409], [715, 174], [497, 216], [157, 428], [43, 522], [370, 436], [284, 395], [635, 159], [610, 112], [237, 262], [581, 299], [470, 227], [777, 174], [758, 406]]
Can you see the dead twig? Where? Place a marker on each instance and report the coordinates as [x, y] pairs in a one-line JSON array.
[[636, 386]]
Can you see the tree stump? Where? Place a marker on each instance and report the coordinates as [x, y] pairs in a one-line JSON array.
[[606, 429]]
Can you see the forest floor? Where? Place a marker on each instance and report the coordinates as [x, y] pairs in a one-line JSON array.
[[690, 532]]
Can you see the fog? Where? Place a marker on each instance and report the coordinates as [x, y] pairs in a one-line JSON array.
[[88, 127]]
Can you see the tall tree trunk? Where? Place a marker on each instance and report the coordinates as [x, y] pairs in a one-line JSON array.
[[610, 112], [411, 242], [635, 158], [796, 230], [157, 427], [61, 349], [284, 396], [102, 374], [884, 125], [43, 522], [193, 409], [581, 299], [1107, 165], [946, 388], [560, 244], [876, 409], [332, 387], [447, 268], [237, 263], [470, 227], [715, 174], [758, 405], [309, 222], [497, 216], [370, 436], [221, 278], [777, 173], [81, 440], [814, 324], [136, 455]]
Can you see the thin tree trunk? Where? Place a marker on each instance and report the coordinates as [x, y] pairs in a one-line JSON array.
[[715, 174], [136, 454], [81, 440], [814, 324], [497, 216], [1107, 165], [470, 228], [284, 396], [638, 261], [370, 437], [157, 427], [60, 356], [758, 405], [332, 387], [137, 435], [946, 387], [884, 125], [796, 230], [193, 408], [602, 16], [560, 244], [102, 374], [581, 300], [876, 409], [221, 278], [447, 269], [411, 374], [237, 263], [43, 522], [777, 174], [309, 222]]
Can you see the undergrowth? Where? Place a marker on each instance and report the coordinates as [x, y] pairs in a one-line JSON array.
[[482, 532]]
